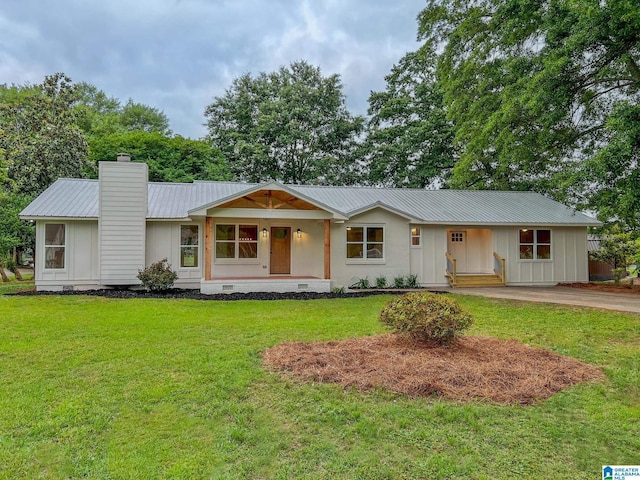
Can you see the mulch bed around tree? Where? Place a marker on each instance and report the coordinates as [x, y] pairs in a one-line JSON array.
[[605, 287], [474, 369]]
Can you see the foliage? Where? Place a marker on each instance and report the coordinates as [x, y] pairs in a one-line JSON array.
[[361, 283], [170, 159], [411, 281], [426, 317], [398, 281], [13, 231], [291, 125], [409, 140], [381, 281], [213, 411], [338, 290], [158, 276], [39, 136], [100, 115], [617, 248], [530, 87]]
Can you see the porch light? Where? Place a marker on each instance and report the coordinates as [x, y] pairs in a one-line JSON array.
[[299, 233], [348, 228], [264, 233]]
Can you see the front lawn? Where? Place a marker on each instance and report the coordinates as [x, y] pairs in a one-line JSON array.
[[148, 388]]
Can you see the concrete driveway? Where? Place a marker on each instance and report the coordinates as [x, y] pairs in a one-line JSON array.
[[621, 302]]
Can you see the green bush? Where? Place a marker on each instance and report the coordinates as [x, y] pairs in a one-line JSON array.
[[427, 317], [412, 281], [381, 281], [158, 276], [398, 282]]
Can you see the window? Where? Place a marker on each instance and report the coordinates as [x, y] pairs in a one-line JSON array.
[[415, 236], [188, 246], [54, 245], [365, 242], [535, 244], [457, 237], [236, 241]]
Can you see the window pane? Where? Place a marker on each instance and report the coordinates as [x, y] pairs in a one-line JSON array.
[[54, 257], [354, 250], [248, 250], [54, 234], [415, 231], [544, 252], [354, 234], [526, 236], [374, 250], [225, 250], [374, 234], [225, 232], [526, 252], [189, 235], [544, 236], [189, 257], [248, 232], [415, 241]]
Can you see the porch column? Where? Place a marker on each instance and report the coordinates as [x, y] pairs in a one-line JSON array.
[[208, 244], [327, 249]]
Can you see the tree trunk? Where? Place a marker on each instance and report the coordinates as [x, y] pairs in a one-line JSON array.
[[17, 273], [5, 279]]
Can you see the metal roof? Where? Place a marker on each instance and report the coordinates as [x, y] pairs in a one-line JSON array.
[[78, 198]]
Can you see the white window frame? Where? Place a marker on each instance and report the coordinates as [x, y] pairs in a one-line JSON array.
[[195, 245], [364, 243], [417, 236], [535, 245], [46, 246], [236, 242]]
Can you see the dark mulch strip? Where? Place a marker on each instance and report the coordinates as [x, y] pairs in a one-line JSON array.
[[605, 287], [196, 295], [504, 372]]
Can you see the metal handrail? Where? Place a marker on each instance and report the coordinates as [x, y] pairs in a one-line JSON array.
[[499, 268], [451, 268]]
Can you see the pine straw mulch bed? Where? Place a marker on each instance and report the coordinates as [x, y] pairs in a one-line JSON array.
[[605, 287], [474, 369]]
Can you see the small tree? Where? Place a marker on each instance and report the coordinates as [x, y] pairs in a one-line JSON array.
[[618, 249]]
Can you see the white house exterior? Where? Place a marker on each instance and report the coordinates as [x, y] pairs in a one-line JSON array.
[[237, 237]]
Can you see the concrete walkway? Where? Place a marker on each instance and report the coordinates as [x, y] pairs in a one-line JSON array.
[[621, 302]]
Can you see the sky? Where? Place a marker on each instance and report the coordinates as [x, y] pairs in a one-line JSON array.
[[178, 55]]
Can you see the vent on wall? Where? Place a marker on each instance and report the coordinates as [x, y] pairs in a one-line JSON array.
[[303, 286], [227, 288]]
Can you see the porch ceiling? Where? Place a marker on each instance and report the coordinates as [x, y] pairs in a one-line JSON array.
[[269, 200]]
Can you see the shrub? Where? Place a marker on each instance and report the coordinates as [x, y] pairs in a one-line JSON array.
[[427, 317], [381, 281], [398, 282], [361, 283], [338, 289], [158, 276], [412, 281]]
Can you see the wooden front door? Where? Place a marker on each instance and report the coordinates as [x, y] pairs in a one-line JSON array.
[[280, 250]]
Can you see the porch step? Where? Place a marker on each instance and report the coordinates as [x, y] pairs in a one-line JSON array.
[[488, 280]]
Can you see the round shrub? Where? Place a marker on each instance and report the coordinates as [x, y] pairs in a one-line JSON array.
[[158, 276], [427, 317]]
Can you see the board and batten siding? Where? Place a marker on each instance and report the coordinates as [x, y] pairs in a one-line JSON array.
[[568, 257], [122, 221]]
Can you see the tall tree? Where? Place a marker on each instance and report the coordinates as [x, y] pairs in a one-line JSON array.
[[409, 140], [531, 86], [291, 125], [170, 159], [39, 136]]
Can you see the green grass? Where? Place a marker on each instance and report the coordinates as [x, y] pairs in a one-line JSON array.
[[15, 286], [99, 388]]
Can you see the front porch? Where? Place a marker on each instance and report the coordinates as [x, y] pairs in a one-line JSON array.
[[497, 278], [276, 284]]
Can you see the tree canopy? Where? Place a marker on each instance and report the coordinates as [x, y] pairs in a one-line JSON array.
[[170, 159], [541, 94], [409, 140], [291, 125], [39, 137]]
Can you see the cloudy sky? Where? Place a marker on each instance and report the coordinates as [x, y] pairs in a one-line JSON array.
[[177, 55]]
